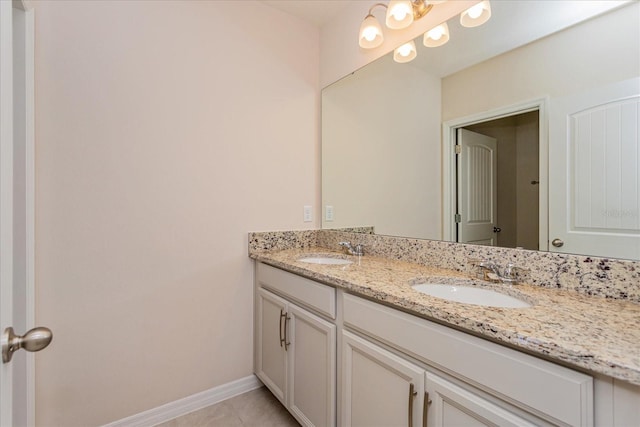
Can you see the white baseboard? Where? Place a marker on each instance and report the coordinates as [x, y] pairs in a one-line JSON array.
[[189, 404]]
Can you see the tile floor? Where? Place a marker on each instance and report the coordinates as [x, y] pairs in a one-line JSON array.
[[257, 408]]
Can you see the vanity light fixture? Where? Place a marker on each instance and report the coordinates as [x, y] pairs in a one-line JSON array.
[[402, 13]]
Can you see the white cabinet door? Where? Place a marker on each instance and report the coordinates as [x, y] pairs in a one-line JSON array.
[[312, 368], [296, 359], [379, 388], [453, 406], [271, 360]]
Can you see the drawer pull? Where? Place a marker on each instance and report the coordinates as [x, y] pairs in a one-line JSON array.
[[283, 315], [286, 331], [425, 409], [412, 395]]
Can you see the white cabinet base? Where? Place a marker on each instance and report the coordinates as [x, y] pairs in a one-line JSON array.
[[391, 363], [296, 350]]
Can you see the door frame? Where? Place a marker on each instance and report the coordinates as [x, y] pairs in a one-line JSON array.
[[449, 130], [18, 281]]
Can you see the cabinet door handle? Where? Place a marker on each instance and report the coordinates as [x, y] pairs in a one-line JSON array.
[[425, 409], [283, 315], [286, 331], [412, 394]]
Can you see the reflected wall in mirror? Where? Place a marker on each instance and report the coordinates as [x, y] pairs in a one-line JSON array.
[[382, 139], [380, 150]]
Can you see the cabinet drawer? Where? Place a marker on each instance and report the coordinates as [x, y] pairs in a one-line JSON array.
[[321, 298], [540, 387]]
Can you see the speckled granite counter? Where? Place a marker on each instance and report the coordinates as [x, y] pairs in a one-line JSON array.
[[599, 335]]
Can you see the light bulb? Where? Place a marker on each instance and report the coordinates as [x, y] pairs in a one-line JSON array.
[[404, 50], [399, 14], [436, 36], [476, 15], [370, 33], [400, 11], [475, 11], [405, 53], [436, 33]]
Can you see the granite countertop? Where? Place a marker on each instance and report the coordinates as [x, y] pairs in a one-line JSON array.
[[591, 333]]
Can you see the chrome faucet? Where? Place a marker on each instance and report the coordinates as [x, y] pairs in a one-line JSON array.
[[491, 272], [352, 250]]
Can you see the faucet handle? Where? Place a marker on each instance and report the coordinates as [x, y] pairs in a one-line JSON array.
[[359, 249], [484, 270], [474, 261], [351, 250], [515, 274], [510, 269]]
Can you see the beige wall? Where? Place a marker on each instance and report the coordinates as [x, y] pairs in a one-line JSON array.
[[528, 158], [165, 132], [602, 50]]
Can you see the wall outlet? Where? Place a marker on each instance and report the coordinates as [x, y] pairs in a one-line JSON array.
[[328, 213], [307, 216]]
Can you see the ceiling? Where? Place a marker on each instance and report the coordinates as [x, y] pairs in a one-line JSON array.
[[317, 12]]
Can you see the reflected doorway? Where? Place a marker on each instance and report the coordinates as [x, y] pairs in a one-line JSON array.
[[509, 213]]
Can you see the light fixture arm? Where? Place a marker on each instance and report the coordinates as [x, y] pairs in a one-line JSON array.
[[374, 6]]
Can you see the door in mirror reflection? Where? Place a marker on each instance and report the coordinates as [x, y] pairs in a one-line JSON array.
[[477, 188], [594, 174], [497, 187]]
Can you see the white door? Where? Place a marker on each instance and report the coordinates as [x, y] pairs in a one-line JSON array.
[[594, 172], [477, 188], [16, 212], [6, 201], [379, 389]]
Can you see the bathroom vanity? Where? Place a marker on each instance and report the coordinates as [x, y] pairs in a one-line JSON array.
[[353, 343]]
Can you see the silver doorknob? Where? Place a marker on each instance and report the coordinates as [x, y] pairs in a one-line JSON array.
[[557, 243], [34, 340]]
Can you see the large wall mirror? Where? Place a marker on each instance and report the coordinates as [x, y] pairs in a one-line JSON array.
[[543, 104]]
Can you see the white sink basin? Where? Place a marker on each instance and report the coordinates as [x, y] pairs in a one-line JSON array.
[[325, 260], [470, 295]]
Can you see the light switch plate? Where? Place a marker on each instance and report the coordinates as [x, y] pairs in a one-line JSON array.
[[307, 215], [328, 213]]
